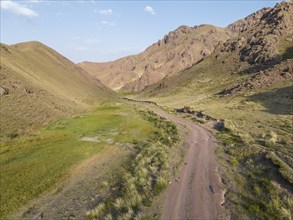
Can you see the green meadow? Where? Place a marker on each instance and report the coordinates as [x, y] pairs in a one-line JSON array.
[[32, 165]]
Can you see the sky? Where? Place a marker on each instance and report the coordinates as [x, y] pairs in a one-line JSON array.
[[99, 31]]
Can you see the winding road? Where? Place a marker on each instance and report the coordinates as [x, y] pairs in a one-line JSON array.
[[197, 191]]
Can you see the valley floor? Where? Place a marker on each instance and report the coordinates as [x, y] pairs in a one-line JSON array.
[[64, 162], [196, 192], [80, 192]]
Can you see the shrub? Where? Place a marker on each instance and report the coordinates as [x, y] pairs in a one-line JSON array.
[[234, 162], [271, 139], [161, 184], [285, 170], [256, 189], [98, 211], [119, 204], [13, 135]]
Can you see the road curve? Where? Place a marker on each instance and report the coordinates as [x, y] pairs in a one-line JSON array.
[[197, 191]]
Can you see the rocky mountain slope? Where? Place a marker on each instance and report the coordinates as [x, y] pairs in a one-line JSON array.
[[262, 45], [179, 49], [38, 85], [248, 84]]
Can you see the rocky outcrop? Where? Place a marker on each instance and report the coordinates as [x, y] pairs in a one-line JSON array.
[[266, 78], [4, 91], [259, 34]]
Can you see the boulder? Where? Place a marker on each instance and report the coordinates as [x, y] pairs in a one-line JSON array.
[[219, 125], [4, 91]]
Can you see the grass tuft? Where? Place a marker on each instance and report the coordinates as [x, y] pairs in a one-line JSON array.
[[145, 174]]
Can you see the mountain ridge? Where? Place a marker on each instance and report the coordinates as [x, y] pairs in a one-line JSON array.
[[264, 40], [136, 72]]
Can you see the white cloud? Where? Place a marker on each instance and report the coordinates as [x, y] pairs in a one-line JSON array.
[[108, 23], [104, 12], [150, 10], [18, 9]]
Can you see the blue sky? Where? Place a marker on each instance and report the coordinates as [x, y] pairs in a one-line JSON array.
[[106, 30]]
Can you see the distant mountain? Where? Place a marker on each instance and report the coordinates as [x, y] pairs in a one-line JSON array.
[[38, 85], [179, 50], [261, 44]]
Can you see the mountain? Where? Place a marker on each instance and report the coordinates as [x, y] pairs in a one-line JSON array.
[[247, 84], [262, 44], [179, 50], [38, 85]]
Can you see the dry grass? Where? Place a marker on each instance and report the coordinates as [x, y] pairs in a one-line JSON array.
[[43, 86], [145, 175]]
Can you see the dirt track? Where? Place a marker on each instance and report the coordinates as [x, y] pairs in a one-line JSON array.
[[197, 192]]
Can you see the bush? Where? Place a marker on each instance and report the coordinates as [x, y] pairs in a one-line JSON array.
[[271, 139], [234, 162], [285, 170], [98, 211], [161, 184]]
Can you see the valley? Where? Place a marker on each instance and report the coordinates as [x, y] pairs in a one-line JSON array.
[[197, 126]]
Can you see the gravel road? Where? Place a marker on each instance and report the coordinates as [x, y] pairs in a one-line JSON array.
[[197, 191]]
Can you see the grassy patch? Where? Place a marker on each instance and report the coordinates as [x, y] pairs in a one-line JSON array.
[[256, 187], [143, 177], [29, 166], [285, 170]]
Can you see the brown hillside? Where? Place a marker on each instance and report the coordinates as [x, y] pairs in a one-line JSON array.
[[180, 49], [38, 85], [261, 52]]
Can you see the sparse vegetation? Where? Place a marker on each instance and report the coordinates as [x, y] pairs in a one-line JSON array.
[[271, 139], [259, 181], [246, 81], [143, 177], [256, 123], [285, 170]]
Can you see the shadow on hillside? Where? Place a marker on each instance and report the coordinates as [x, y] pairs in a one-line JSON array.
[[288, 53], [278, 101], [263, 66]]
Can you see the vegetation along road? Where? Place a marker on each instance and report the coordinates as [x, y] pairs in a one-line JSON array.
[[197, 191]]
